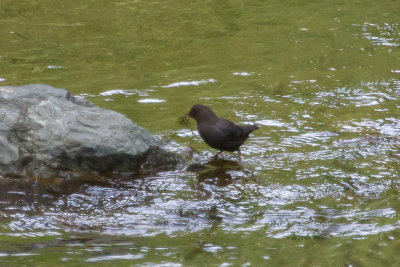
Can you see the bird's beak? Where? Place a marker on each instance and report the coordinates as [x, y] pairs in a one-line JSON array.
[[187, 116]]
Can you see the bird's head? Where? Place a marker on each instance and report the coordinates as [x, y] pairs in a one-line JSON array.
[[201, 113]]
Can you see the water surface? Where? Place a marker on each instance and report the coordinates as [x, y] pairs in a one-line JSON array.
[[318, 184]]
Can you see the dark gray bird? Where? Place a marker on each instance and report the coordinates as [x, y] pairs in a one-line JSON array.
[[217, 132]]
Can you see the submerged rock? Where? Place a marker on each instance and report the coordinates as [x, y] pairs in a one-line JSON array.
[[47, 132]]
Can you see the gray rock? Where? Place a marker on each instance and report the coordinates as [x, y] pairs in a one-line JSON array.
[[47, 132]]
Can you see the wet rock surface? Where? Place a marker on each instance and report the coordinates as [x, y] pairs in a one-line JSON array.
[[47, 132]]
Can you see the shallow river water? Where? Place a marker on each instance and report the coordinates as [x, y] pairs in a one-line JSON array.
[[318, 184]]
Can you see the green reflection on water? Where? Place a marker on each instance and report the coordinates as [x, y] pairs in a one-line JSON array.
[[211, 248], [306, 65]]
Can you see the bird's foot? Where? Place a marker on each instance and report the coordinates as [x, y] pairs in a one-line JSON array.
[[216, 155]]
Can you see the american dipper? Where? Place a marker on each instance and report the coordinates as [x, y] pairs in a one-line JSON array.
[[217, 132]]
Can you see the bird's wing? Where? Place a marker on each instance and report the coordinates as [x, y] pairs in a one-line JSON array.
[[229, 130]]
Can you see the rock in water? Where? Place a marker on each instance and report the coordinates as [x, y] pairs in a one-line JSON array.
[[47, 132]]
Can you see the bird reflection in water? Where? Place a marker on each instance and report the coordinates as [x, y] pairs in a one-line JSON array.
[[215, 171]]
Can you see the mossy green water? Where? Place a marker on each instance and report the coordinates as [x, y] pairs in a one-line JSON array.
[[319, 181]]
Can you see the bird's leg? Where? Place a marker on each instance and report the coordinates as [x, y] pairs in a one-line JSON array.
[[240, 155], [216, 155]]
